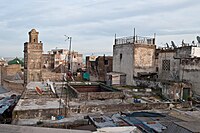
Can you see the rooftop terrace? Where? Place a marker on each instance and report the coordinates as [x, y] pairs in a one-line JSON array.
[[135, 40]]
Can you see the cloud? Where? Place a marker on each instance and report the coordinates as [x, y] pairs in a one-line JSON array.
[[93, 23]]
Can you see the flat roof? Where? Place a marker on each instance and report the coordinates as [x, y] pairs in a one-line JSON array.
[[41, 103], [192, 126], [27, 129]]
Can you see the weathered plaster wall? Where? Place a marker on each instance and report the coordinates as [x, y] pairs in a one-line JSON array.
[[183, 52], [190, 71], [173, 73], [125, 63], [99, 67], [170, 90], [144, 58]]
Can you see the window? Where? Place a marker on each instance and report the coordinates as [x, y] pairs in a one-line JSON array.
[[166, 65], [121, 56], [105, 62], [156, 69]]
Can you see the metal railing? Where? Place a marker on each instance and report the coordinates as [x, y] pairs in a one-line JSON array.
[[135, 39]]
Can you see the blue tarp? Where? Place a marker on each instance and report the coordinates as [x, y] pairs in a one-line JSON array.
[[6, 102]]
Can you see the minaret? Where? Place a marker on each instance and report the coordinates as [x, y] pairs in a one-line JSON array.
[[33, 58]]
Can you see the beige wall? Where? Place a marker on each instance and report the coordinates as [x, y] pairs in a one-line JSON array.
[[10, 70], [144, 57], [14, 86], [51, 76]]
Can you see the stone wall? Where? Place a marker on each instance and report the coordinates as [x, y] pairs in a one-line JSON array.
[[15, 86], [52, 76], [10, 70], [43, 114], [100, 95], [98, 68], [122, 107], [144, 58]]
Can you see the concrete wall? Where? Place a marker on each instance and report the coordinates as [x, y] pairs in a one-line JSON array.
[[190, 71], [125, 63], [173, 73]]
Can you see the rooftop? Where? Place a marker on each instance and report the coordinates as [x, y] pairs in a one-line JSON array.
[[27, 129], [36, 104], [135, 40]]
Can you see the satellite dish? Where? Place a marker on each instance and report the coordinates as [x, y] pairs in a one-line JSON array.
[[167, 45], [51, 86], [173, 44], [193, 42], [183, 42], [198, 39]]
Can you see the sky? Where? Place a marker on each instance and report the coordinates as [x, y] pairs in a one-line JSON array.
[[92, 24]]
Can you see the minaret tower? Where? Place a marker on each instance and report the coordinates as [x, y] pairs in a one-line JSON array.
[[33, 58]]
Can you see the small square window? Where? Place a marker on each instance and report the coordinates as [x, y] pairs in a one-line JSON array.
[[105, 62]]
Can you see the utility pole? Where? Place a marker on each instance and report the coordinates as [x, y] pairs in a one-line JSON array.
[[69, 53], [68, 69]]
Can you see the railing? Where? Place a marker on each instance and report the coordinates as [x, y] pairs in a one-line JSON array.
[[135, 39]]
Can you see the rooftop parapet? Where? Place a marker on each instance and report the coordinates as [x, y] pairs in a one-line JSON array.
[[135, 40]]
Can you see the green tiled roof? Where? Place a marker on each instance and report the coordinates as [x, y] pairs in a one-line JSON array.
[[16, 61]]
